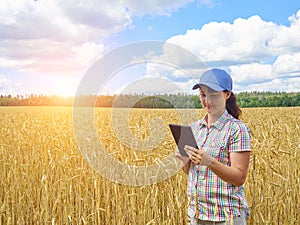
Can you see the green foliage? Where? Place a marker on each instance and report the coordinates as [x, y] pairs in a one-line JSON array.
[[268, 99], [244, 100]]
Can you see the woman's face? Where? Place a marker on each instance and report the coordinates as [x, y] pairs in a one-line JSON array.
[[214, 102]]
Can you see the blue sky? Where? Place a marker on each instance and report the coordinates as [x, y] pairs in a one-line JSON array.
[[192, 16], [48, 46]]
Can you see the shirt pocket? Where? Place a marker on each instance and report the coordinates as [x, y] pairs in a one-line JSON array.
[[219, 150]]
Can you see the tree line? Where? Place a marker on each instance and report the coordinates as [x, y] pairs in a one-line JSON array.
[[244, 100]]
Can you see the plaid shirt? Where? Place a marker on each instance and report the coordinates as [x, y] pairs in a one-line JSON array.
[[211, 198]]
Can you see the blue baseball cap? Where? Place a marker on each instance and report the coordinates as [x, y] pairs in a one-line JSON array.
[[216, 79]]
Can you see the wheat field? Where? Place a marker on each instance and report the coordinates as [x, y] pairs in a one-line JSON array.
[[45, 179]]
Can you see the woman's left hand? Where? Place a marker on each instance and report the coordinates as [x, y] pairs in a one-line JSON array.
[[199, 156], [194, 153]]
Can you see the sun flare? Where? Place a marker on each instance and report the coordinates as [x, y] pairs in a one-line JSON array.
[[65, 87]]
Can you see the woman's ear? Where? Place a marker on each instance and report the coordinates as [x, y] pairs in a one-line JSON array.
[[228, 94]]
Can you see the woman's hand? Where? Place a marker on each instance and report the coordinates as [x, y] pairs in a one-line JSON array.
[[184, 159], [194, 153], [235, 174], [198, 156]]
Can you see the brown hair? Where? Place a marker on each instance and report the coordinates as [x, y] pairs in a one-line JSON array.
[[232, 107]]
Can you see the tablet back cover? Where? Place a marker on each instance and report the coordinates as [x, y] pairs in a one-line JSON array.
[[183, 135]]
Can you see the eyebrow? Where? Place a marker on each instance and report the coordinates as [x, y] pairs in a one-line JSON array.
[[210, 91]]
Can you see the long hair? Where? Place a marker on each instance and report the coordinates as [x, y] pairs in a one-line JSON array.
[[232, 107]]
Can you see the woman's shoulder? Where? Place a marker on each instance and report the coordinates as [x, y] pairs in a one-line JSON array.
[[238, 125]]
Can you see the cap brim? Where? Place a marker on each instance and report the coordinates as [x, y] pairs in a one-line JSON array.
[[196, 86], [210, 85]]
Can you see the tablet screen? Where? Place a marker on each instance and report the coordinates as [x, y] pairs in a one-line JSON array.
[[183, 135]]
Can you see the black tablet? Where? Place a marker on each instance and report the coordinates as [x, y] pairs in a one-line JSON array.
[[183, 135]]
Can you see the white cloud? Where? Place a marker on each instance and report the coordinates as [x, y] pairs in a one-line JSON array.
[[62, 36], [87, 52], [175, 62], [165, 71], [187, 87], [62, 20], [10, 63], [7, 86], [209, 3], [4, 82], [260, 55], [53, 34], [151, 85], [293, 84], [236, 42], [286, 39], [277, 84], [251, 73], [288, 64]]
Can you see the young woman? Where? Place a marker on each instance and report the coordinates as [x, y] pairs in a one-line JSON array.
[[217, 170]]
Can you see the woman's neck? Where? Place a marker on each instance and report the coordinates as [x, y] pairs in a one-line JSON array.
[[212, 118]]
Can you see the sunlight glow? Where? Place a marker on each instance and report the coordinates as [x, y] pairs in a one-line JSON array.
[[65, 87]]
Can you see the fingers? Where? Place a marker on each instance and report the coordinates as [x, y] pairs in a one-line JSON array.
[[182, 158], [198, 156], [194, 153], [189, 148], [176, 152]]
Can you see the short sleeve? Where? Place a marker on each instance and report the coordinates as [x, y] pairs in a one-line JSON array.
[[240, 138]]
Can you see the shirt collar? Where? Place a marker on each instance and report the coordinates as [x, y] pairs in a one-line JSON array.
[[219, 123]]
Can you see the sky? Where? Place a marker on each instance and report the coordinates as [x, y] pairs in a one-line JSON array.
[[51, 47]]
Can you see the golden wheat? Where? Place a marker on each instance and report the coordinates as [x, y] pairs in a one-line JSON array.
[[44, 179]]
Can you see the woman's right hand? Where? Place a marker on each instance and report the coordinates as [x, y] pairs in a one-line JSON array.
[[184, 159]]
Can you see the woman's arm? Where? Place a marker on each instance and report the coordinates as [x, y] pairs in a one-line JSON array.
[[235, 174], [185, 160], [186, 167]]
